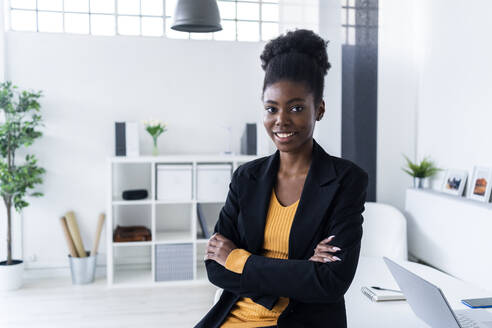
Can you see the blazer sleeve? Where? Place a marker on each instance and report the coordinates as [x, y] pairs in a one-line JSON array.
[[227, 226], [315, 282]]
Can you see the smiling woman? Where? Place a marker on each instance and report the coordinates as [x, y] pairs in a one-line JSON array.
[[272, 250]]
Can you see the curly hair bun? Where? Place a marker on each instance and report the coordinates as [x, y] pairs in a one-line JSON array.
[[301, 41]]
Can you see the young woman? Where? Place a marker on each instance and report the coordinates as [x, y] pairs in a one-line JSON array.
[[287, 242]]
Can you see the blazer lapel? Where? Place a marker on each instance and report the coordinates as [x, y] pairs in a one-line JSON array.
[[317, 194], [316, 197], [255, 200]]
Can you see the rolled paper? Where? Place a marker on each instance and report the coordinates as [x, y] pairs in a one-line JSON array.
[[100, 224], [71, 246], [74, 232]]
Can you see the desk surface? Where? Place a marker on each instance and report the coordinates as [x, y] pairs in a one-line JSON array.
[[372, 271]]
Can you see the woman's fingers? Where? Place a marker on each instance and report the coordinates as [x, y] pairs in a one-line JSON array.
[[215, 242], [218, 236], [328, 255], [325, 251], [327, 248], [324, 258], [327, 240]]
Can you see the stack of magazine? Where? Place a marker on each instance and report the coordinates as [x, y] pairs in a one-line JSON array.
[[377, 295]]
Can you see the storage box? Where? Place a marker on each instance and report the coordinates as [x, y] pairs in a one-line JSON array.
[[174, 262], [213, 182], [174, 181]]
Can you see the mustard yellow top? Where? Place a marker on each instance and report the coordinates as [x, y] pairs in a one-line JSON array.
[[246, 313]]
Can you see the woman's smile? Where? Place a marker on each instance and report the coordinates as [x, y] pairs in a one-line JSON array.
[[284, 137]]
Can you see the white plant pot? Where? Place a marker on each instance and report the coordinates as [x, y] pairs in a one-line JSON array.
[[11, 276]]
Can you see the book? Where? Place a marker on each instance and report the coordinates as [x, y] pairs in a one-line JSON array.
[[203, 223], [131, 139], [376, 295]]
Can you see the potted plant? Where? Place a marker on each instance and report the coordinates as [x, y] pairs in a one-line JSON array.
[[420, 171], [18, 128]]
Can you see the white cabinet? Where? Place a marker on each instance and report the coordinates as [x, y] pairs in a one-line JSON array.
[[213, 182], [451, 233], [176, 185]]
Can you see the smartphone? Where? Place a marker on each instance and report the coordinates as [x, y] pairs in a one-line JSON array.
[[478, 302]]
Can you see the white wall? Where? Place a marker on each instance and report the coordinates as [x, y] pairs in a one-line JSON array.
[[455, 86], [397, 99], [90, 82], [196, 86], [435, 89]]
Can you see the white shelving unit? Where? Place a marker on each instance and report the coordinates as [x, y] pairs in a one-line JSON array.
[[173, 223]]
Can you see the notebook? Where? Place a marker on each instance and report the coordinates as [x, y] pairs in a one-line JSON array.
[[376, 295]]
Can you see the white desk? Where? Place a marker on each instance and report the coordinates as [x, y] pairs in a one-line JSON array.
[[363, 313]]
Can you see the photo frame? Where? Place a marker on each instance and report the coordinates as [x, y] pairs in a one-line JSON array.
[[454, 182], [480, 184]]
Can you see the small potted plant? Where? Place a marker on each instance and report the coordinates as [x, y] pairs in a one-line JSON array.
[[21, 118], [420, 171], [155, 128]]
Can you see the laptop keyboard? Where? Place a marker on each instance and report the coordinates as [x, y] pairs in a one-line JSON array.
[[466, 322]]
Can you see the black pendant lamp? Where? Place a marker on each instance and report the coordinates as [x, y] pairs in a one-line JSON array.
[[200, 16]]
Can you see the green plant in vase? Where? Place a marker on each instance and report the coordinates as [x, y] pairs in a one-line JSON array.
[[155, 128], [420, 171]]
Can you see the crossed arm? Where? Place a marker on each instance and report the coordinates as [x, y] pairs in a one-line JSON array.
[[264, 279]]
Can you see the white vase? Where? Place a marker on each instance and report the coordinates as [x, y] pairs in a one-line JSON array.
[[11, 276]]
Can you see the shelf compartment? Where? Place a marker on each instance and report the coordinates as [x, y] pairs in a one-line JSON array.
[[174, 262], [173, 223], [132, 265], [128, 176], [210, 214], [136, 215], [201, 271]]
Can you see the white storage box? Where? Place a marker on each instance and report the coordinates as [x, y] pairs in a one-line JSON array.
[[213, 182], [173, 182], [174, 262]]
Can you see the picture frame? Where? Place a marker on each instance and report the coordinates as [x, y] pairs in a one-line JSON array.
[[480, 184], [454, 182]]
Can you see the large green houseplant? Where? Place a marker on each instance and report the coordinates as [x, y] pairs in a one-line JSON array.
[[18, 128]]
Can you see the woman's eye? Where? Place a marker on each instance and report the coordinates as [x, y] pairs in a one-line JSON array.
[[270, 109], [298, 108]]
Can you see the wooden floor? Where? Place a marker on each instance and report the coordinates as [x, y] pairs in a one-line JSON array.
[[55, 302]]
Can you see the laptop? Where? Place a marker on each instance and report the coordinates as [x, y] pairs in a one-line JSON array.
[[429, 304]]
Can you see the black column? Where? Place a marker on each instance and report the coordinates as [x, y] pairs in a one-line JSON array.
[[359, 87]]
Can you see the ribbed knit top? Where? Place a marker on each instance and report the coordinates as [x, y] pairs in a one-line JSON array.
[[246, 313]]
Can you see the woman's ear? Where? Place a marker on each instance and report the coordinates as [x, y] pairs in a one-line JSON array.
[[321, 110]]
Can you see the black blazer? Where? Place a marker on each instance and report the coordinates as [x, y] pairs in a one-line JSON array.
[[331, 203]]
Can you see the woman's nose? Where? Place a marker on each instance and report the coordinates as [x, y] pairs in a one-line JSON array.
[[282, 118]]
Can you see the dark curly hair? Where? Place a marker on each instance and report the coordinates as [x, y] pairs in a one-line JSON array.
[[298, 56]]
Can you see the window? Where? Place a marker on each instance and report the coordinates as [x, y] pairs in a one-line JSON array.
[[360, 16], [241, 20]]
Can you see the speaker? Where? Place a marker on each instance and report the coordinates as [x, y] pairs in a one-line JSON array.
[[248, 140], [135, 194], [120, 138]]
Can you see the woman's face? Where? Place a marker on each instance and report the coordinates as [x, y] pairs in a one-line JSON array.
[[290, 114]]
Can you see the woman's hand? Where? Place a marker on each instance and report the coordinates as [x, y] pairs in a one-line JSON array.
[[218, 248], [323, 252]]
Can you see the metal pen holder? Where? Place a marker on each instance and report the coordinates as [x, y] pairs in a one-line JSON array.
[[83, 268]]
